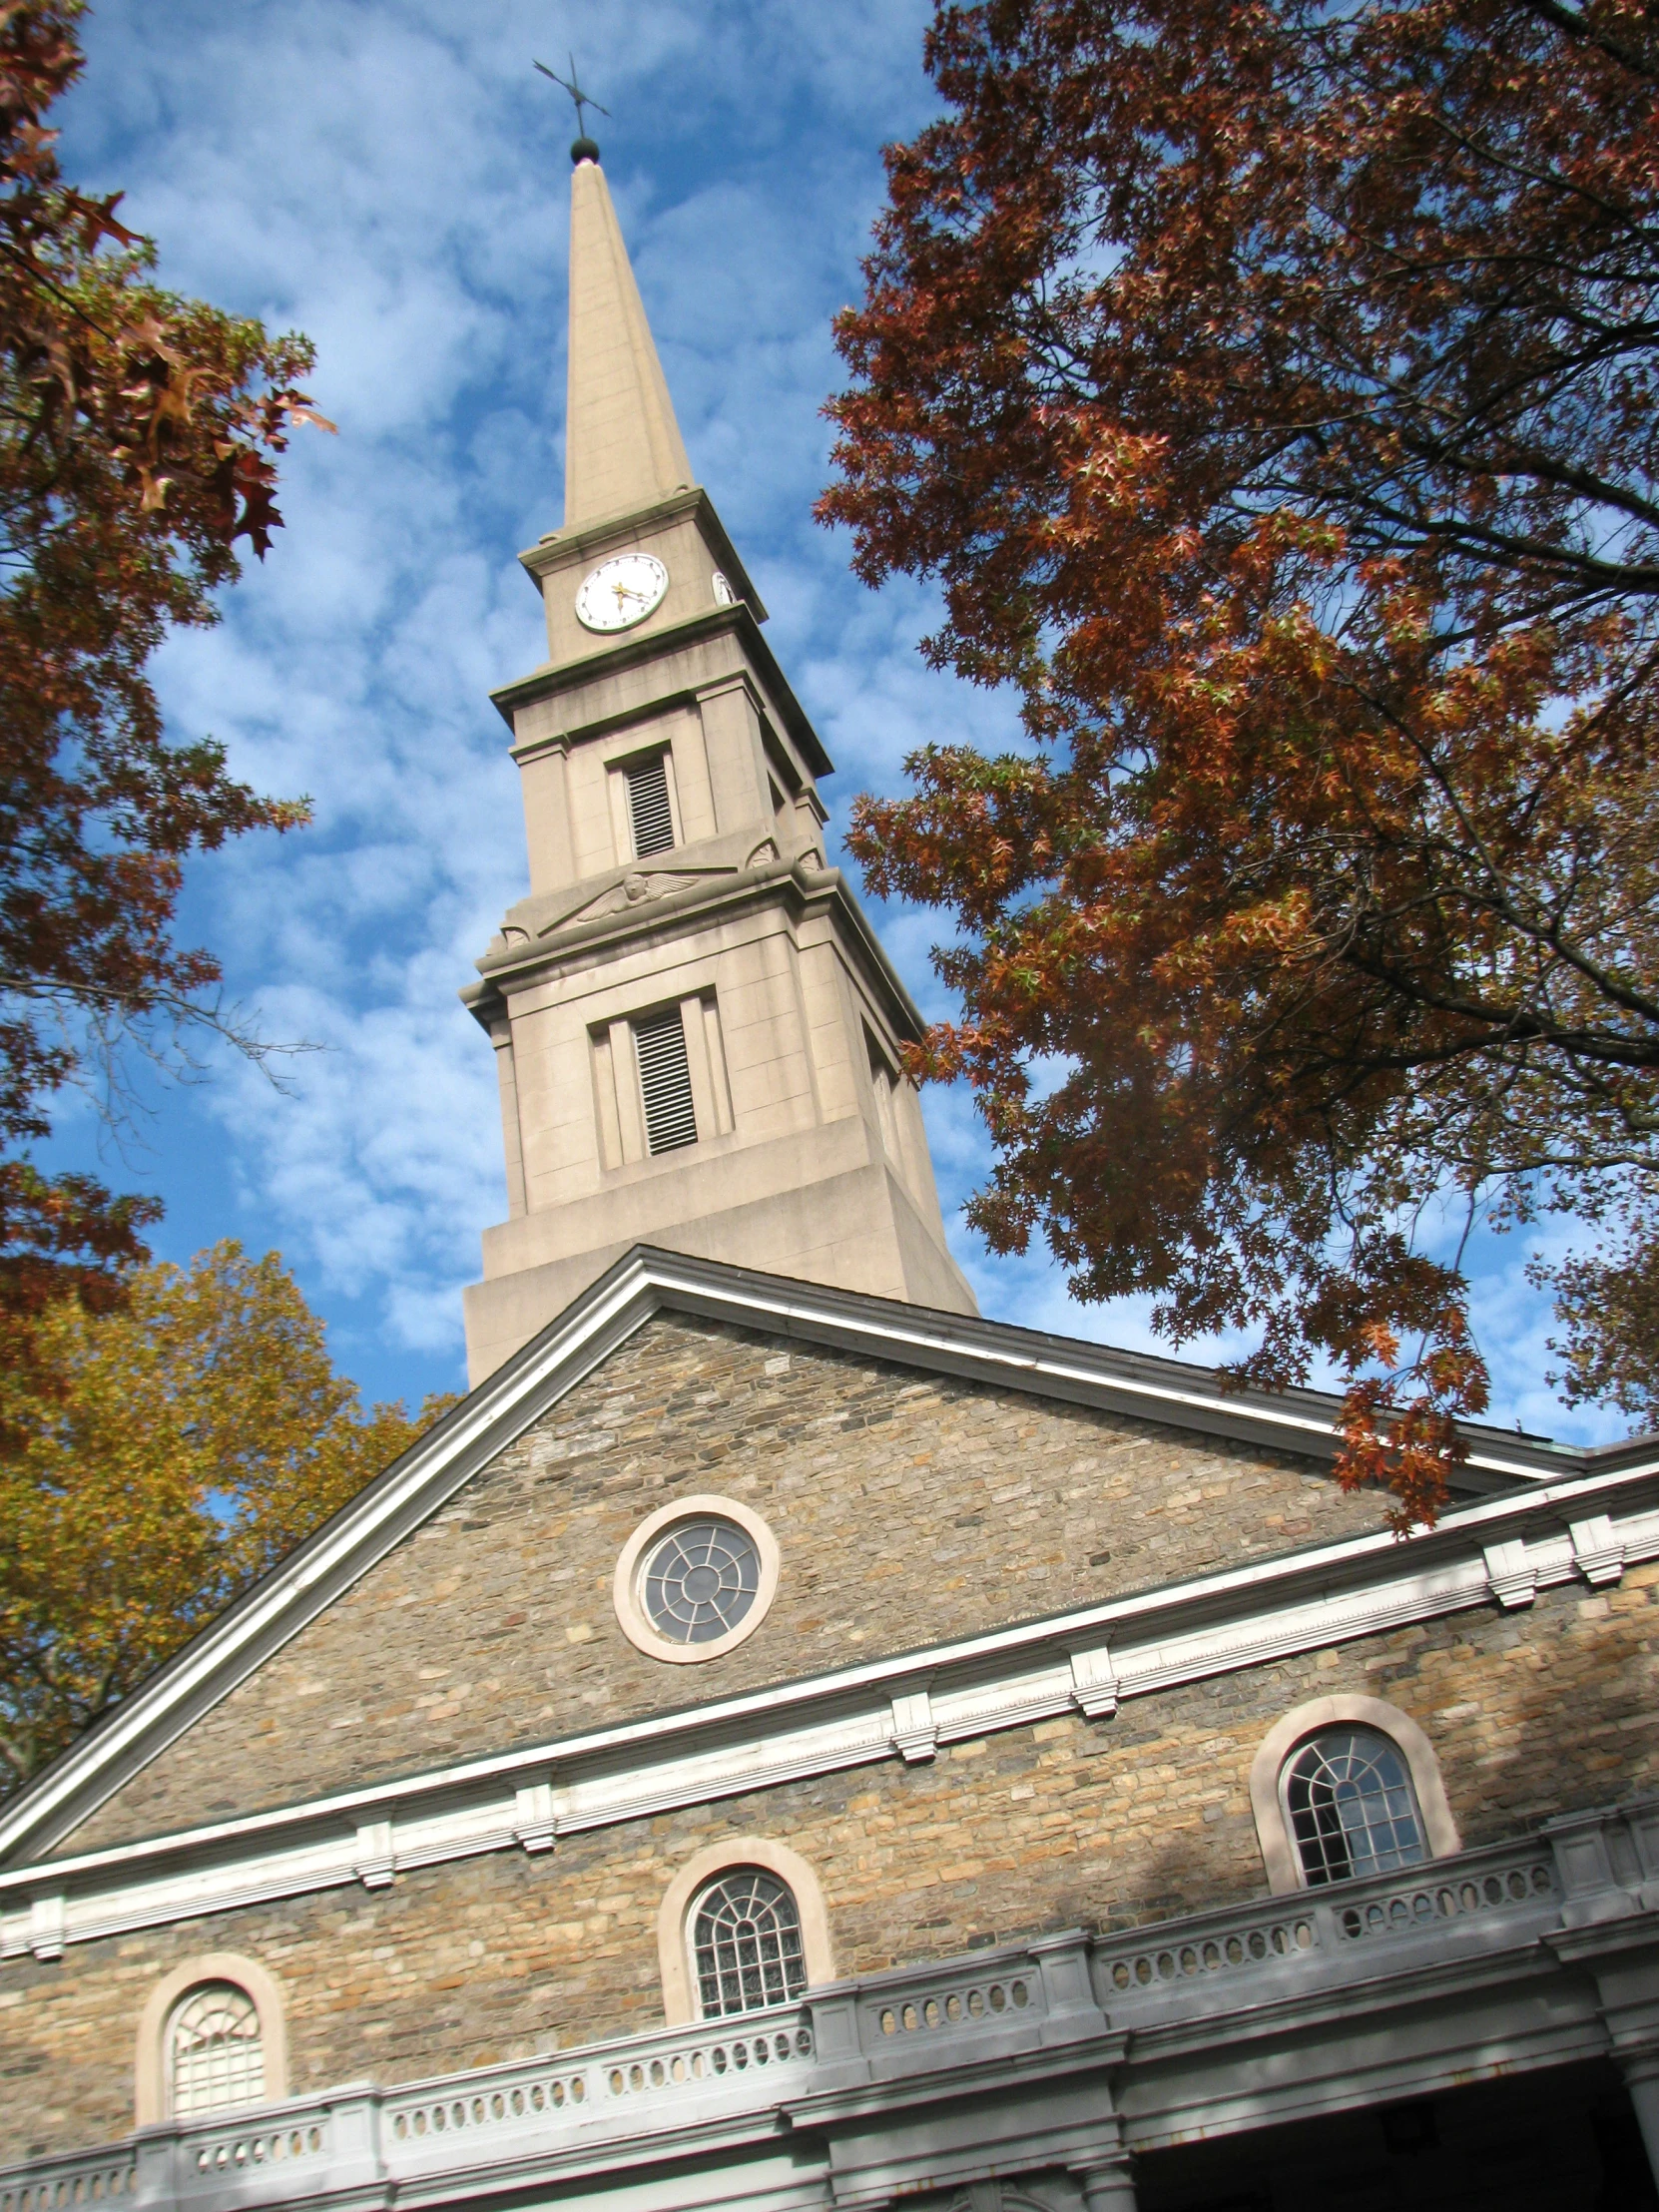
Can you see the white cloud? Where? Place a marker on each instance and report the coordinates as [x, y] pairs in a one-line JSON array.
[[390, 176]]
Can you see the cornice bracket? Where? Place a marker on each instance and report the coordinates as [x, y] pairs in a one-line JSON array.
[[1513, 1576], [915, 1734], [376, 1863], [534, 1823], [46, 1925], [1094, 1683], [1597, 1553]]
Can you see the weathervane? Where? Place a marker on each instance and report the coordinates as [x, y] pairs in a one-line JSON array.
[[584, 149]]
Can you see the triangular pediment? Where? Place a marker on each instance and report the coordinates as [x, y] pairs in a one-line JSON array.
[[638, 887], [469, 1485]]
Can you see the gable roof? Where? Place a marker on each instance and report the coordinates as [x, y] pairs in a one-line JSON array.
[[646, 1283]]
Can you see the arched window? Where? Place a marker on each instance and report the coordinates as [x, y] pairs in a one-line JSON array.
[[1346, 1786], [211, 2035], [214, 2052], [1350, 1806], [741, 1925], [745, 1943]]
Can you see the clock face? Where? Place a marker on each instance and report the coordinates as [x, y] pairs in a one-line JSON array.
[[621, 592]]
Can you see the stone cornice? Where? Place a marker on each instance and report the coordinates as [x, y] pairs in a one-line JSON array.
[[566, 548], [1091, 1659], [519, 966], [655, 643], [1588, 1487]]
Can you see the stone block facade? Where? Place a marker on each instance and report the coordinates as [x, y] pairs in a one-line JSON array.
[[1144, 1817], [1156, 1661], [907, 1509]]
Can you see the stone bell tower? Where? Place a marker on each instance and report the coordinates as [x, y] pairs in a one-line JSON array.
[[696, 1028]]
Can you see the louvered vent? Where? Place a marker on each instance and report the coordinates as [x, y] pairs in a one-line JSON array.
[[648, 805], [665, 1081]]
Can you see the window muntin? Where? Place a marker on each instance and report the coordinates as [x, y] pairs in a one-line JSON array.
[[214, 2052], [754, 1588], [649, 816], [700, 1580], [1350, 1806], [665, 1081], [745, 1943]]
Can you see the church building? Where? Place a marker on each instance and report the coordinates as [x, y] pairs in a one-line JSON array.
[[785, 1742]]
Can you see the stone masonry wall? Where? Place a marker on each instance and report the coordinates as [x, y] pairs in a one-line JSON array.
[[907, 1509], [1143, 1817]]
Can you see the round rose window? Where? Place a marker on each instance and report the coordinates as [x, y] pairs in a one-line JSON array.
[[699, 1580], [695, 1579]]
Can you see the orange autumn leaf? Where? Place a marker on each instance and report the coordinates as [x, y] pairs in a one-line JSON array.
[[162, 1457], [1273, 391], [139, 436]]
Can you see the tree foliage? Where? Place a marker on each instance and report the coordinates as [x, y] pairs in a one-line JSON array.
[[170, 1452], [1271, 387], [138, 442]]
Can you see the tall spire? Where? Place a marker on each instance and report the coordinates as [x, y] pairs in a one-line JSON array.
[[623, 447], [699, 1041]]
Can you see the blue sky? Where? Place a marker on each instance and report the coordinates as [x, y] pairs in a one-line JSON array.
[[390, 176]]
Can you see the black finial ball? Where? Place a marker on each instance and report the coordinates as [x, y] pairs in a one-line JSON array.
[[582, 150]]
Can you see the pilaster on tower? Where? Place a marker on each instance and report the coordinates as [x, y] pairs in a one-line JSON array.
[[697, 1035]]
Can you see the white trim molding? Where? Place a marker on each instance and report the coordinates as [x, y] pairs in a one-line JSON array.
[[631, 1617], [674, 1916], [1279, 1853], [902, 1706], [644, 1283], [1216, 1624], [151, 2089]]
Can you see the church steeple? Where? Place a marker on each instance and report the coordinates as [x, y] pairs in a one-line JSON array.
[[623, 447], [698, 1036]]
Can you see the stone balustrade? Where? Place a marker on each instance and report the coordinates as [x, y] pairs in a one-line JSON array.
[[77, 2177], [536, 2114], [1152, 1969]]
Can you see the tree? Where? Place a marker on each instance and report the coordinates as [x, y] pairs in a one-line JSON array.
[[138, 435], [1271, 387], [178, 1448]]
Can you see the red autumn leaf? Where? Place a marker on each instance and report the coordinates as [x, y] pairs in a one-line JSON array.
[[1274, 393], [138, 437]]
